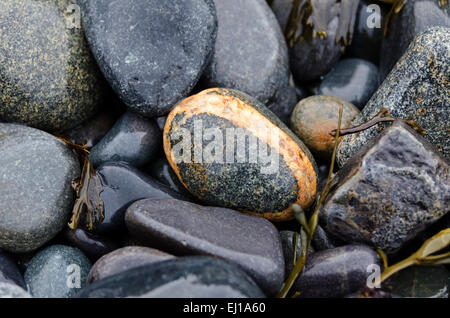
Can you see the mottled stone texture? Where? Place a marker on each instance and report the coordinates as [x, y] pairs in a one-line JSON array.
[[48, 78], [8, 290], [185, 228], [35, 193], [416, 17], [151, 52], [187, 277], [416, 89], [389, 191]]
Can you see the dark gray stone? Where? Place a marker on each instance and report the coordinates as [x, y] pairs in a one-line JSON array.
[[91, 244], [282, 9], [284, 103], [48, 79], [36, 198], [8, 290], [336, 272], [9, 272], [54, 271], [389, 192], [187, 277], [416, 17], [123, 259], [366, 42], [122, 185], [151, 52], [133, 139], [250, 53], [354, 80], [184, 228], [311, 60], [321, 240], [416, 89], [287, 243]]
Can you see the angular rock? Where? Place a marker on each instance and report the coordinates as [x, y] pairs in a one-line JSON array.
[[9, 272], [389, 192], [354, 80], [151, 52], [205, 143], [187, 277], [336, 272], [416, 89], [415, 17], [133, 140], [250, 52], [48, 79], [36, 198], [8, 290], [124, 259], [122, 185], [58, 271], [315, 117], [184, 228]]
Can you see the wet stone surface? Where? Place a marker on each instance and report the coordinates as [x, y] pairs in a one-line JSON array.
[[48, 78], [35, 194], [184, 228], [416, 89], [389, 192], [151, 52]]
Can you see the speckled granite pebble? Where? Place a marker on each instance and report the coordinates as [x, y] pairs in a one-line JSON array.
[[8, 290], [185, 228], [187, 277], [151, 52], [389, 191], [48, 78], [36, 198], [124, 259], [417, 89], [58, 271], [250, 53]]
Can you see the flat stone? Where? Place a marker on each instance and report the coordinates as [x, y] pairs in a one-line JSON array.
[[122, 185], [354, 80], [187, 277], [36, 198], [389, 192], [415, 17], [151, 52], [48, 79], [315, 117], [311, 60], [199, 141], [185, 228], [91, 244], [9, 290], [336, 272], [416, 89], [133, 139], [58, 271], [124, 259], [250, 53], [9, 271]]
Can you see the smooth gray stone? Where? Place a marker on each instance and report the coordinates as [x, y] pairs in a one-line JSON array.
[[282, 9], [48, 77], [36, 198], [151, 52], [354, 80], [184, 228], [124, 259], [310, 61], [8, 290], [284, 103], [287, 243], [389, 192], [416, 89], [250, 53], [415, 17], [336, 272], [9, 271], [56, 271], [187, 277], [133, 139]]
